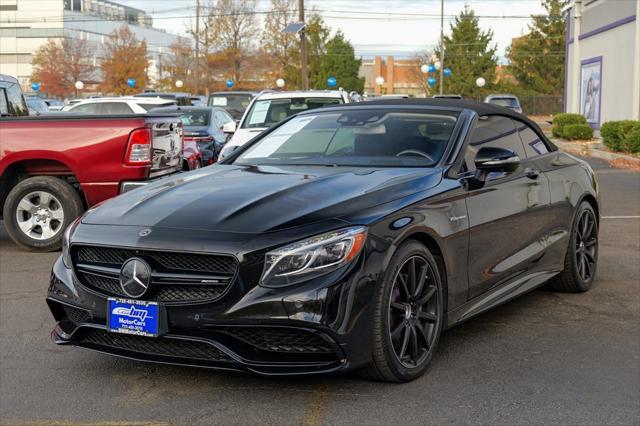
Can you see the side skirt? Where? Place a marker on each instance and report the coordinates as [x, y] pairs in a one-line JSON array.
[[498, 296]]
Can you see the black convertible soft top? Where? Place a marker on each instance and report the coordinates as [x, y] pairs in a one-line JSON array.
[[481, 108]]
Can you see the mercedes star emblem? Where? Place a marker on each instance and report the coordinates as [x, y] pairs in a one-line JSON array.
[[135, 277]]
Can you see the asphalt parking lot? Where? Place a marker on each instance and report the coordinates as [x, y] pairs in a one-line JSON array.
[[543, 358]]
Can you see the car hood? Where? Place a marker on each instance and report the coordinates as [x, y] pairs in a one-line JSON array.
[[256, 199], [242, 136]]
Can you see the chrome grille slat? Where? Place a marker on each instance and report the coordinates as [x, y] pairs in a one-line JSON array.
[[176, 277]]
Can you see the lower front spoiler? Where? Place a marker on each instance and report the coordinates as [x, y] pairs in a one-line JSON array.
[[184, 351]]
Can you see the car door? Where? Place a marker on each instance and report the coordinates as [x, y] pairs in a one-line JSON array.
[[508, 214]]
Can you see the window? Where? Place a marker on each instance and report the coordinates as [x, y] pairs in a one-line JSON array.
[[360, 138], [265, 113], [505, 102], [115, 108], [234, 102], [533, 145], [494, 131], [198, 117], [85, 108], [15, 103], [221, 118], [4, 108]]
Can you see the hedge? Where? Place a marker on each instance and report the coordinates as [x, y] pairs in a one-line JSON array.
[[577, 131], [621, 135], [564, 119]]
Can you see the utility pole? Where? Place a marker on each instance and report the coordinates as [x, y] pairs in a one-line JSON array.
[[303, 47], [441, 47], [196, 73]]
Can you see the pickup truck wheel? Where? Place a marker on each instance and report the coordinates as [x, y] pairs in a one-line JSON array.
[[38, 210]]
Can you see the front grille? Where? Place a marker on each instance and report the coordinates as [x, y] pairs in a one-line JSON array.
[[160, 346], [277, 339], [77, 315], [177, 277], [216, 264]]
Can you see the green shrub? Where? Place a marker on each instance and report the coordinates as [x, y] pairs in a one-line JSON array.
[[621, 135], [562, 120], [577, 131], [631, 141]]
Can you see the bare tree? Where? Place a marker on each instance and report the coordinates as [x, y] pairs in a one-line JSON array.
[[274, 42], [231, 27]]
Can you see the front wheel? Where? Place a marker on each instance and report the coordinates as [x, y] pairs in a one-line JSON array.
[[408, 316], [37, 211]]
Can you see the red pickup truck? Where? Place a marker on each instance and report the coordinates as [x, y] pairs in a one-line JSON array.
[[52, 168]]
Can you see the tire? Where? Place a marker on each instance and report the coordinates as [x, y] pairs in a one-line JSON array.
[[387, 364], [581, 256], [47, 205]]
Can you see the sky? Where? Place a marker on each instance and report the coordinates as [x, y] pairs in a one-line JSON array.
[[378, 27]]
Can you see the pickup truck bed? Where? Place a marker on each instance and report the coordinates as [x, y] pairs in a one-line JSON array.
[[96, 157]]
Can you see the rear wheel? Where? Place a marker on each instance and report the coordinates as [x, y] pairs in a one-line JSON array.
[[408, 317], [37, 211], [581, 260]]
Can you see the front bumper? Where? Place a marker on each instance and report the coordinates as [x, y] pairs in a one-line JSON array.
[[264, 331]]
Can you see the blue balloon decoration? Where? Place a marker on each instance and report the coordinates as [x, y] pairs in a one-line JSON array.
[[332, 82], [432, 68], [229, 83], [431, 81], [35, 86], [131, 82], [447, 72]]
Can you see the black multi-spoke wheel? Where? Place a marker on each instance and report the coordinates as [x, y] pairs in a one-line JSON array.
[[586, 245], [408, 317], [413, 311], [581, 259]]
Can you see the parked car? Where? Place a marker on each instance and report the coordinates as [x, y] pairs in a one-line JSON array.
[[235, 103], [179, 98], [271, 108], [52, 168], [117, 105], [54, 104], [345, 237], [203, 126], [447, 96], [508, 101], [36, 105], [12, 102]]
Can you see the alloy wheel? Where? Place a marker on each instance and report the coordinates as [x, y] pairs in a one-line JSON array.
[[40, 215], [413, 312], [586, 238]]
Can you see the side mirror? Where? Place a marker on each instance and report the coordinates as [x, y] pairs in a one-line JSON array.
[[500, 160], [230, 127]]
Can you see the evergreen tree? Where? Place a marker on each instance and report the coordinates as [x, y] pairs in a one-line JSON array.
[[340, 62], [537, 58], [469, 54]]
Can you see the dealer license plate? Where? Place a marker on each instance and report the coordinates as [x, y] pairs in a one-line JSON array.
[[133, 317]]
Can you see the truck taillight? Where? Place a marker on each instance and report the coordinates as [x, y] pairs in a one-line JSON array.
[[139, 148]]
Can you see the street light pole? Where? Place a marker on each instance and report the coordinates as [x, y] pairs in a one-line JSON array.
[[441, 47], [196, 76], [303, 47]]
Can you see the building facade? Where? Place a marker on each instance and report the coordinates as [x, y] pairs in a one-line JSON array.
[[401, 76], [602, 60], [28, 24]]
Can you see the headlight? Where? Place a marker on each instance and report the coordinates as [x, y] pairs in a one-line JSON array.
[[66, 253], [312, 257]]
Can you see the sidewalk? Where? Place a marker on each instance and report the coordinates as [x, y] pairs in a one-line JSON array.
[[596, 149]]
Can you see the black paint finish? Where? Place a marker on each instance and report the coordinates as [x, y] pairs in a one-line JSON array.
[[494, 239]]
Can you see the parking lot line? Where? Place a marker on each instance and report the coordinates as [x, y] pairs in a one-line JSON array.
[[620, 217]]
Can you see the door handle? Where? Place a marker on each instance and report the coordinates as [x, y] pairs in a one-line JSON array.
[[531, 173]]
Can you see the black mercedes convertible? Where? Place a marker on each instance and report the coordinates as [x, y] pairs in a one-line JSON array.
[[347, 237]]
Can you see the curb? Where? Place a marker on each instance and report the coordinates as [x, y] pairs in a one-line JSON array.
[[592, 150]]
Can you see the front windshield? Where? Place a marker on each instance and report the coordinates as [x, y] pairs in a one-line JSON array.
[[235, 102], [377, 138], [505, 102], [266, 113]]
